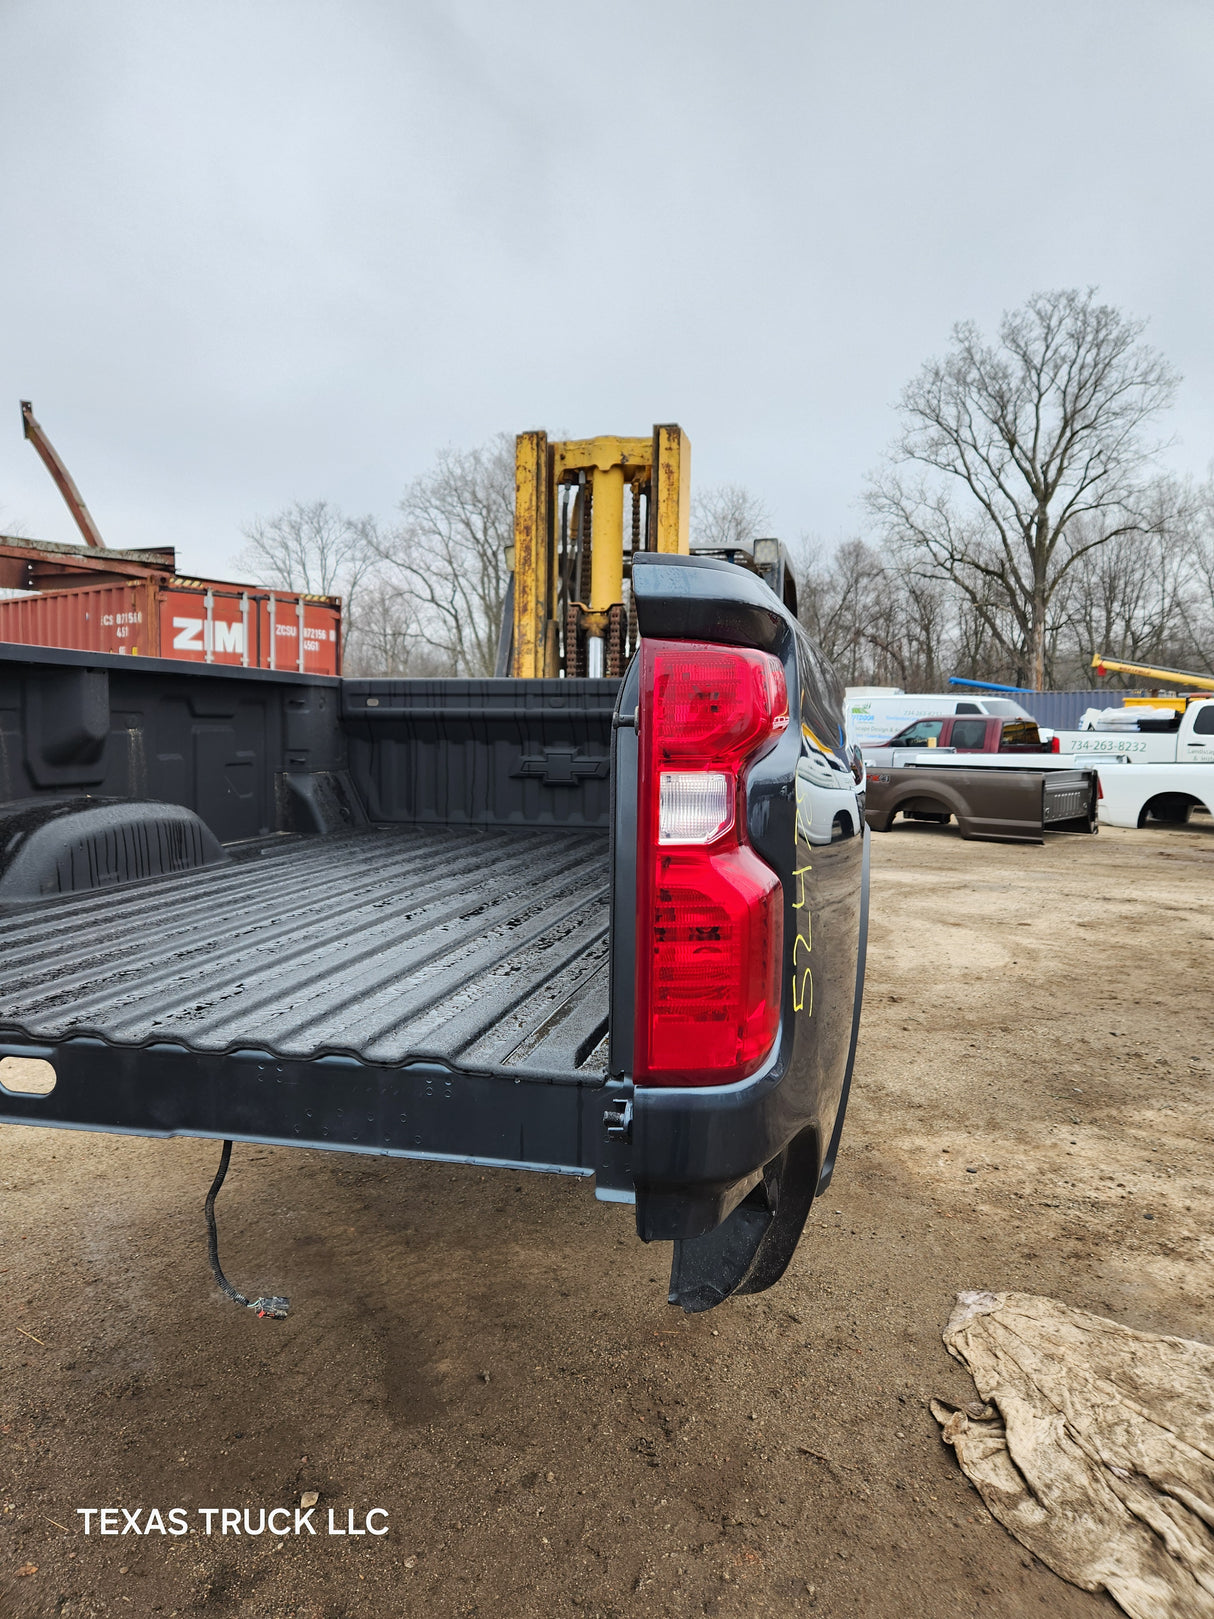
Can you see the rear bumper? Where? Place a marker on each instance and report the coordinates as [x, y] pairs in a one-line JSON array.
[[696, 1152]]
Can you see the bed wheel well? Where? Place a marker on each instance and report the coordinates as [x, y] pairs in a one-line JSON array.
[[1174, 808]]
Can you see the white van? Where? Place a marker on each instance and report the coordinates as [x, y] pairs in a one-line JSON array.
[[874, 717]]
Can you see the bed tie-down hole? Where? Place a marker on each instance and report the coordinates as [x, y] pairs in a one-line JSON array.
[[27, 1076]]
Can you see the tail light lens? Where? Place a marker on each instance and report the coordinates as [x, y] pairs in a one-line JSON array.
[[1055, 744], [710, 918], [694, 806]]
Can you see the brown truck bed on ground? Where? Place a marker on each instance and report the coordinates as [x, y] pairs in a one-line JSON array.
[[1013, 805]]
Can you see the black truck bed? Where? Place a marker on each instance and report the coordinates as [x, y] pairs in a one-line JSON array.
[[483, 949], [390, 910]]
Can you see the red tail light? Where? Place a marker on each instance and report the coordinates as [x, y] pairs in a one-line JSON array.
[[1055, 745], [710, 920]]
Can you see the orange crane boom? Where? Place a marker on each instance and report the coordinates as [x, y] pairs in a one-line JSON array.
[[1103, 666]]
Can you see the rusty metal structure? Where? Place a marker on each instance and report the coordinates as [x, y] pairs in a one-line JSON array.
[[90, 598], [48, 565], [64, 481]]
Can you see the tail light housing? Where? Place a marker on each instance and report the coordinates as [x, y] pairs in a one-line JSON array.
[[710, 917], [1055, 744]]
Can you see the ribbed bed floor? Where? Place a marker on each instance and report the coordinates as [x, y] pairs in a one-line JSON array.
[[482, 949]]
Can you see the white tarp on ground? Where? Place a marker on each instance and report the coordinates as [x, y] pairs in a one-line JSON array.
[[1095, 1447]]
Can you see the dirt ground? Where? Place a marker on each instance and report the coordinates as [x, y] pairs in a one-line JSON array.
[[489, 1356]]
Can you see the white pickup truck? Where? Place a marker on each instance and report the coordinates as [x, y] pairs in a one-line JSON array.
[[1146, 735], [1154, 794]]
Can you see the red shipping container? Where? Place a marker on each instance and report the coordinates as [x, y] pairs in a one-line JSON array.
[[122, 617], [197, 620]]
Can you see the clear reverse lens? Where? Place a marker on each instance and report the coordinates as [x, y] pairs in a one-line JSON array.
[[695, 806]]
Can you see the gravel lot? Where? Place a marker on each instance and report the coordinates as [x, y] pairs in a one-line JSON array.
[[489, 1356]]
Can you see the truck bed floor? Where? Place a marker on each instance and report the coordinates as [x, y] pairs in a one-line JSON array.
[[482, 949]]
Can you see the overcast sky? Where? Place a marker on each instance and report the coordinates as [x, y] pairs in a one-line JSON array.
[[263, 251]]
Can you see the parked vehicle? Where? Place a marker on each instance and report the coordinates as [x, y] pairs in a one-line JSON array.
[[1154, 794], [1146, 733], [873, 720], [597, 927], [963, 733], [1005, 803]]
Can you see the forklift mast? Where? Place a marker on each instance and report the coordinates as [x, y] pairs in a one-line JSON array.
[[571, 552]]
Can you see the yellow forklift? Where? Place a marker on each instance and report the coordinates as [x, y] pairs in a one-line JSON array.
[[568, 608]]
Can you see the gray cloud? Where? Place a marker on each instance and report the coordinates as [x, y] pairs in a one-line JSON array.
[[254, 253]]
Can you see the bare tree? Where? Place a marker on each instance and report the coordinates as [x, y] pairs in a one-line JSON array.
[[878, 622], [1196, 604], [838, 593], [382, 640], [726, 514], [1134, 597], [11, 528], [312, 546], [1009, 449], [449, 554]]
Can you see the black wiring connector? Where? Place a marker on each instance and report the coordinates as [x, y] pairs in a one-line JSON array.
[[273, 1307]]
